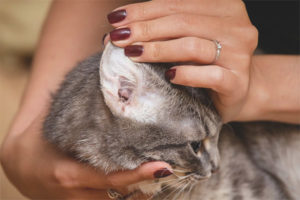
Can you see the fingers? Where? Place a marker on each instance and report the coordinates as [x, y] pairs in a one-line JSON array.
[[155, 9], [84, 176], [144, 172], [214, 77], [173, 26], [184, 49]]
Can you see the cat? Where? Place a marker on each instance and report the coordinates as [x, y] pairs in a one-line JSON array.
[[114, 114]]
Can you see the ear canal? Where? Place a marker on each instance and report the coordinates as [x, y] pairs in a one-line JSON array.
[[126, 89], [124, 94]]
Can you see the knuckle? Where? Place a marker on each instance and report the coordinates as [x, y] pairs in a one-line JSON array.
[[155, 50], [247, 34], [253, 37], [65, 179], [145, 30], [192, 48], [217, 78], [239, 5]]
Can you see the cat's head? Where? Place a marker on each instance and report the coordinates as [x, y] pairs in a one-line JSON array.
[[154, 120]]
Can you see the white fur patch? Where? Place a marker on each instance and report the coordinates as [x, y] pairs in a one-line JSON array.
[[145, 105]]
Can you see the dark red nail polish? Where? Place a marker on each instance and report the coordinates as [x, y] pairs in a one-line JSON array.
[[162, 173], [134, 50], [116, 16], [170, 74], [120, 34]]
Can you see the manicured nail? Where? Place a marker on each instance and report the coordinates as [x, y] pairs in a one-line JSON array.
[[162, 173], [170, 74], [134, 50], [116, 16], [103, 38], [120, 34]]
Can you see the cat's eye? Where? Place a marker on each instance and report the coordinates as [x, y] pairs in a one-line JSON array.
[[195, 146]]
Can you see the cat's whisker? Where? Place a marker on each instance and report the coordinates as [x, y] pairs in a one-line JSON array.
[[180, 191], [176, 189], [172, 185], [190, 190], [178, 170], [177, 186], [166, 181]]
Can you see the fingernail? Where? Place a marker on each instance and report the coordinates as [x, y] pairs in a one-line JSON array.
[[162, 173], [116, 16], [134, 50], [120, 34], [103, 38], [170, 74]]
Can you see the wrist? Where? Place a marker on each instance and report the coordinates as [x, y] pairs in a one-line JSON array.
[[256, 102], [274, 80]]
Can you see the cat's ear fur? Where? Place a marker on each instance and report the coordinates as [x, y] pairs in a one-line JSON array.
[[123, 87]]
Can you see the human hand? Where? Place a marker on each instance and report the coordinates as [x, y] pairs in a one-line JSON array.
[[185, 31], [39, 171]]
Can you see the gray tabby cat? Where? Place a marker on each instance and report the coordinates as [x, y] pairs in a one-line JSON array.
[[130, 115]]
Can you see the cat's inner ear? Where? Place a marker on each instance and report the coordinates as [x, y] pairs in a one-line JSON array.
[[123, 87], [126, 89], [119, 77]]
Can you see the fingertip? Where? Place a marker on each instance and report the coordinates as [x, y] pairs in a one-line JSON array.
[[170, 74], [148, 170], [105, 39]]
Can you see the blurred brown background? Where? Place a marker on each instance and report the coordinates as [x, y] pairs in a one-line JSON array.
[[20, 24]]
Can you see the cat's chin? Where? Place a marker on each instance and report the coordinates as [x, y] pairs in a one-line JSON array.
[[148, 187], [151, 187]]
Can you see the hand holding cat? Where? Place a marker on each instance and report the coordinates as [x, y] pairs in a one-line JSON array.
[[185, 31], [53, 175]]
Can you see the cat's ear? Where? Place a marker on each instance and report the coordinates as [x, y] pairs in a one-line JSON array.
[[123, 86]]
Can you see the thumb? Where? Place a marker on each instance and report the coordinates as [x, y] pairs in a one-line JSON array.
[[147, 171]]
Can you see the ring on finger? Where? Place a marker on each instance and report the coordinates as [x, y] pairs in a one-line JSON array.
[[218, 50], [113, 194]]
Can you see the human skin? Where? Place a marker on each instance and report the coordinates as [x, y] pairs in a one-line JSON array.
[[39, 171], [35, 167], [177, 31]]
